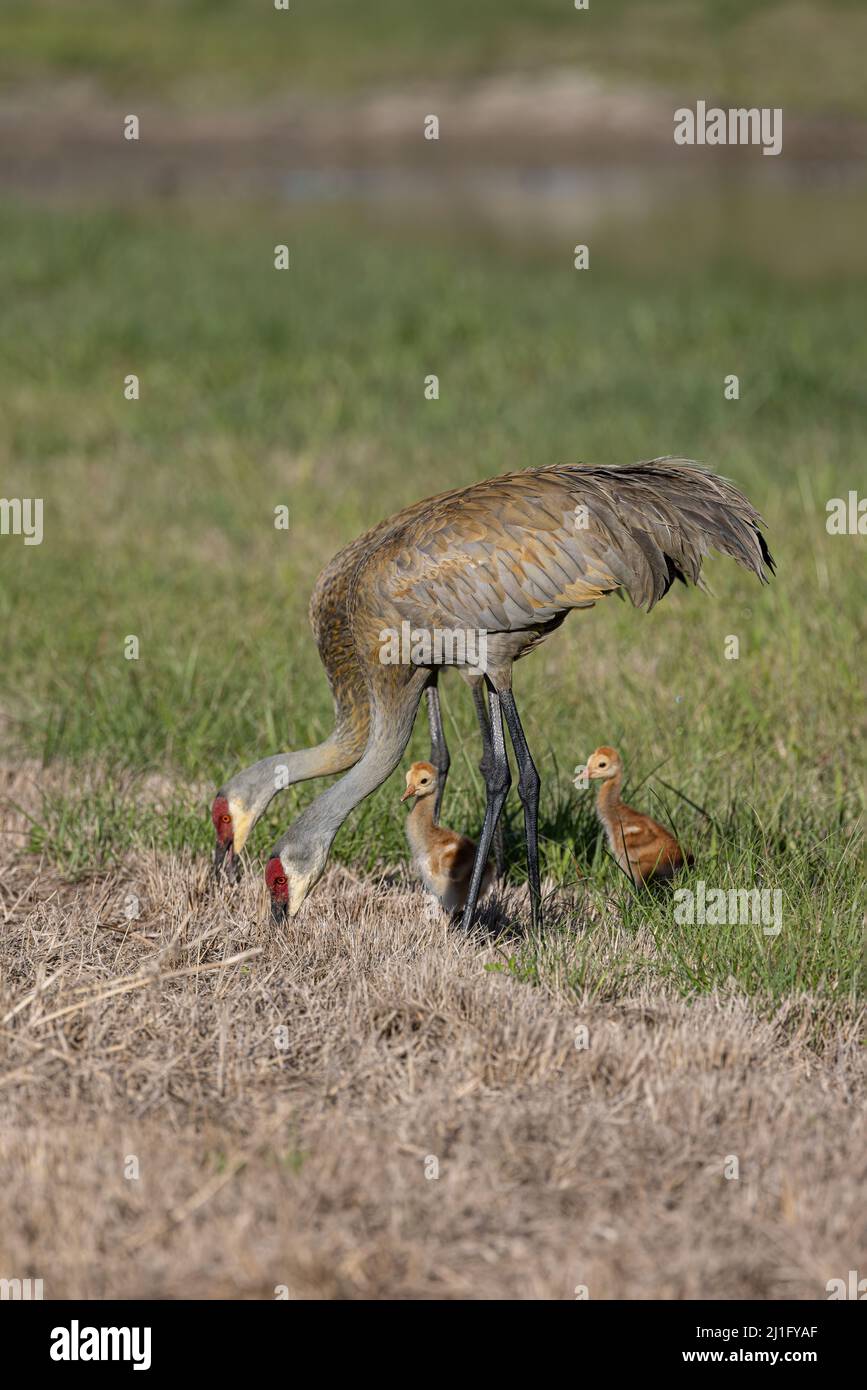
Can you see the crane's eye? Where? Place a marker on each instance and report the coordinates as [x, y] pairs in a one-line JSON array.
[[280, 881], [225, 819]]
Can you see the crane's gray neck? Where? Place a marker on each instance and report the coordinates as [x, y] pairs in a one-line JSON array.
[[256, 786], [390, 732]]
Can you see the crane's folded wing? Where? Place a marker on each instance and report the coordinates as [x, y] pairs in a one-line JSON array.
[[516, 551]]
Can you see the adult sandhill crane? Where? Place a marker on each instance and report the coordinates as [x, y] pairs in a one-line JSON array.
[[241, 801], [507, 559], [643, 848]]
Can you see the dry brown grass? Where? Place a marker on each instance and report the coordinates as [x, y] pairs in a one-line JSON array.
[[305, 1167]]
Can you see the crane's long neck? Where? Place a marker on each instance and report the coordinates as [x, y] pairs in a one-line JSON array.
[[251, 792], [390, 730], [257, 785], [285, 769]]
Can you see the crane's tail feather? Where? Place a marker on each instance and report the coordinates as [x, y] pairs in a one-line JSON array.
[[660, 519], [512, 552]]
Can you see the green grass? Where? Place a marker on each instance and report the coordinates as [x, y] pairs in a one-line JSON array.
[[305, 388], [765, 52]]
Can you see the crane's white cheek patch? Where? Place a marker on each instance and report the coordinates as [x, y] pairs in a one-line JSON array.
[[242, 820]]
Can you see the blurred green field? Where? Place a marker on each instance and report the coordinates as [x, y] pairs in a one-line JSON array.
[[218, 50], [306, 388]]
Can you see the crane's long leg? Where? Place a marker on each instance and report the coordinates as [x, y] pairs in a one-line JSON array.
[[528, 788], [498, 779], [439, 753], [487, 756]]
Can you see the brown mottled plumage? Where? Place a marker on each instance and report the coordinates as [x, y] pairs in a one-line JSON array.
[[508, 558], [444, 858], [643, 848]]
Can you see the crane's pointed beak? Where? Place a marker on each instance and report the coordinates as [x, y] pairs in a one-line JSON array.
[[224, 853], [279, 911]]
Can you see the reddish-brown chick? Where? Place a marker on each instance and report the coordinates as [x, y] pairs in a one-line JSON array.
[[443, 858], [642, 847]]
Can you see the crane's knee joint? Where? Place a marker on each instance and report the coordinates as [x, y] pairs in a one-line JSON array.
[[498, 779], [529, 784]]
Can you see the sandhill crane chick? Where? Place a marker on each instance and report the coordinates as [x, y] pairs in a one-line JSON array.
[[643, 848], [443, 858]]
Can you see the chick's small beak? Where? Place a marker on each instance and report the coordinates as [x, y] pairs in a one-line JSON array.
[[410, 791]]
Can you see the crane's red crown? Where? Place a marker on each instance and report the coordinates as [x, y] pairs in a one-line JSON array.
[[275, 878], [221, 816]]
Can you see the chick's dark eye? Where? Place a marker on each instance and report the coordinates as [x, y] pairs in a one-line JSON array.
[[603, 763]]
